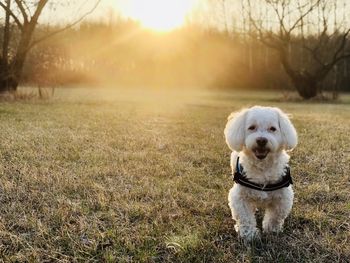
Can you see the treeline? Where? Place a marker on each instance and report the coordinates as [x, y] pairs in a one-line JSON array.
[[122, 53]]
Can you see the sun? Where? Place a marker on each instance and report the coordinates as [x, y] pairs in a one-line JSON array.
[[159, 15]]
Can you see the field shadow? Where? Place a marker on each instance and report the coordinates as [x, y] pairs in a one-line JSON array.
[[301, 241]]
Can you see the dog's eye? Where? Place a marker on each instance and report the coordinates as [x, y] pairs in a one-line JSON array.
[[273, 129], [252, 128]]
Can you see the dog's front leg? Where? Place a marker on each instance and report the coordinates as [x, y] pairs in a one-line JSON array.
[[243, 212], [277, 211]]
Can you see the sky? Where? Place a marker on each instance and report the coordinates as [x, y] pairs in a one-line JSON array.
[[165, 15], [159, 14]]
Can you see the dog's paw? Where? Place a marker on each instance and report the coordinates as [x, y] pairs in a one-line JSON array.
[[272, 227], [249, 234]]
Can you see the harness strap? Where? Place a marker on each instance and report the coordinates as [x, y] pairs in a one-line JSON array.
[[240, 178]]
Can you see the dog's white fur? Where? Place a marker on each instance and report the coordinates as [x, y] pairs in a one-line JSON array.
[[241, 138]]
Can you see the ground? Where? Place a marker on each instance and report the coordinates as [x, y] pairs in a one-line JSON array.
[[97, 175]]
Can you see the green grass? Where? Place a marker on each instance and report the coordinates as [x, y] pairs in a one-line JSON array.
[[115, 176]]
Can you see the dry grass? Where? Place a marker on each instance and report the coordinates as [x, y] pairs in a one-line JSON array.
[[109, 176]]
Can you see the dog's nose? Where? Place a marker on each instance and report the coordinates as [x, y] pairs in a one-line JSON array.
[[261, 141]]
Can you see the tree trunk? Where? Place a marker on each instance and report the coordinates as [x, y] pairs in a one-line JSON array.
[[305, 83], [306, 86], [11, 72], [8, 82], [6, 36], [4, 62]]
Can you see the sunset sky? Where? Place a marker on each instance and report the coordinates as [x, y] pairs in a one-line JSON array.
[[159, 15], [165, 15], [155, 14]]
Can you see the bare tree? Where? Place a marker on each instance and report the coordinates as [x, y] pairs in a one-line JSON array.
[[324, 44], [24, 16]]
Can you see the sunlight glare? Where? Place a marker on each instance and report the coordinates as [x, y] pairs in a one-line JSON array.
[[159, 15]]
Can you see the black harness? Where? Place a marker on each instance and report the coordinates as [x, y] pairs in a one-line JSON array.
[[240, 178]]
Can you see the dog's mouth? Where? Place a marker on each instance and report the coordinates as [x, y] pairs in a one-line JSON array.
[[261, 153]]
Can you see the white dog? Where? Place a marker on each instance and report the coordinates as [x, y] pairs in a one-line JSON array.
[[259, 138]]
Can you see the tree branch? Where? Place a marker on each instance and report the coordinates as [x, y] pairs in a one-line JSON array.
[[302, 16], [38, 10], [321, 73], [314, 54], [279, 16], [342, 45], [17, 21], [37, 41], [22, 9]]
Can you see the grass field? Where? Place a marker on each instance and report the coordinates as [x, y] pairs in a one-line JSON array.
[[111, 176]]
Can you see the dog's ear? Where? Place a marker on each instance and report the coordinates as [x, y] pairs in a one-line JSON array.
[[289, 134], [235, 130]]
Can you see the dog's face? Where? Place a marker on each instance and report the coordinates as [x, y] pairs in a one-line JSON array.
[[260, 131], [263, 134]]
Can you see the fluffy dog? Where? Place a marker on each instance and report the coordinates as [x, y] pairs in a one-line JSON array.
[[259, 138]]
